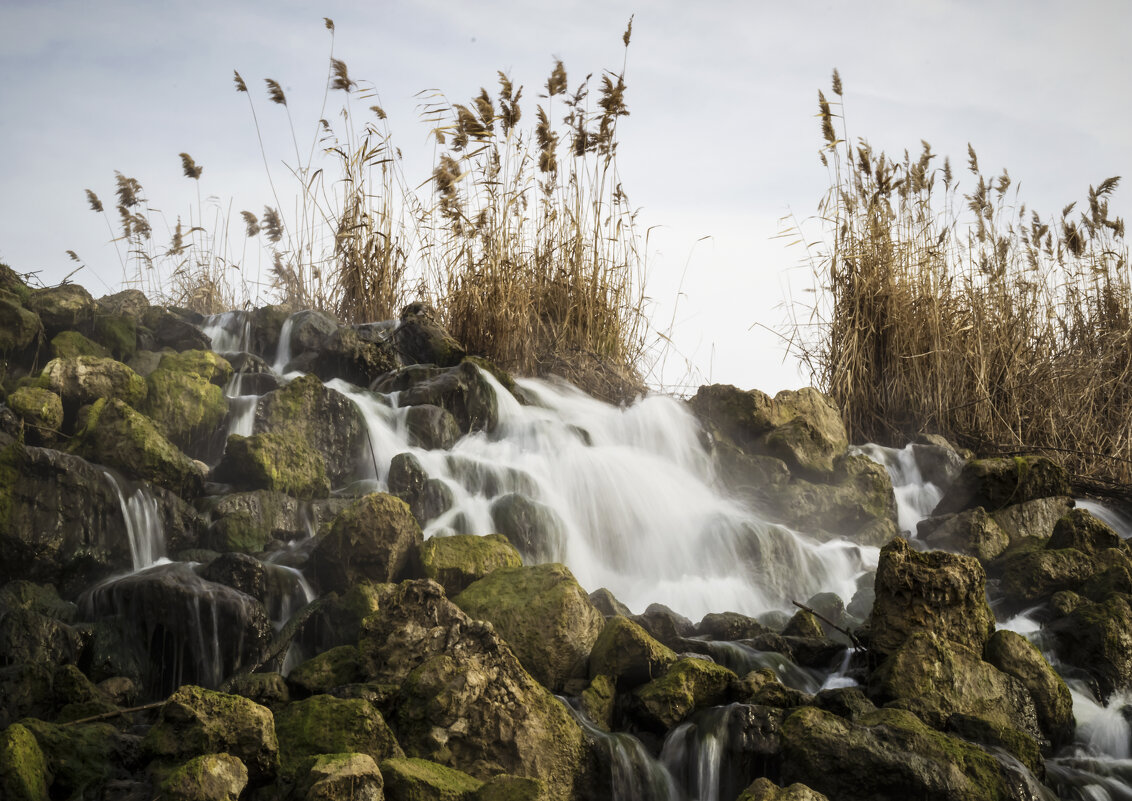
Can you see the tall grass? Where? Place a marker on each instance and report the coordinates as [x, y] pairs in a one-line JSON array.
[[522, 237], [965, 313]]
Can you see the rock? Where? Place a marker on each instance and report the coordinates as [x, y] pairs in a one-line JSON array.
[[803, 624], [211, 777], [607, 604], [337, 777], [323, 724], [687, 685], [431, 427], [358, 354], [265, 689], [628, 655], [1029, 573], [464, 699], [276, 463], [972, 532], [1034, 518], [406, 476], [544, 616], [937, 459], [130, 303], [339, 620], [1079, 529], [27, 635], [597, 702], [422, 780], [665, 625], [845, 702], [420, 339], [938, 592], [461, 390], [889, 754], [63, 307], [457, 561], [240, 572], [533, 528], [171, 331], [41, 411], [87, 379], [72, 344], [117, 334], [23, 770], [186, 399], [326, 671], [1016, 656], [935, 679], [311, 332], [326, 420], [729, 626], [195, 721], [998, 738], [20, 328], [997, 483], [81, 758], [1097, 637], [117, 436], [510, 788], [266, 325], [765, 790], [742, 417], [372, 539], [247, 521]]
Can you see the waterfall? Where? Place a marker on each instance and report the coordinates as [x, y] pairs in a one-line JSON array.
[[916, 497], [144, 527]]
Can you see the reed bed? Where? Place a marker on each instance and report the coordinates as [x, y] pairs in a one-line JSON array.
[[966, 314]]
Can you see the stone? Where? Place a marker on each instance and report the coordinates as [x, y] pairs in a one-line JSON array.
[[63, 307], [247, 521], [543, 614], [455, 562], [276, 463], [86, 379], [326, 671], [373, 539], [997, 483], [195, 721], [20, 328], [23, 769], [420, 339], [211, 777], [130, 303], [972, 532], [421, 780], [510, 788], [341, 777], [1097, 637], [597, 702], [608, 604], [1016, 656], [937, 459], [627, 654], [41, 411], [764, 789], [72, 344], [323, 724], [117, 334], [688, 685], [241, 572], [665, 625], [461, 390], [431, 427], [938, 592], [170, 330], [728, 626], [186, 399], [533, 528], [81, 758], [1080, 530], [1034, 518]]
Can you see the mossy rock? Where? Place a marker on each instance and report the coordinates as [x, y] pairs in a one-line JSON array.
[[195, 721], [323, 724], [1097, 637], [19, 327], [972, 532], [627, 654], [335, 777], [247, 521], [87, 379], [210, 777], [689, 684], [118, 334], [324, 672], [1081, 530], [23, 769], [80, 758], [764, 789], [994, 735], [185, 398], [72, 344], [41, 410], [597, 702], [1034, 518], [534, 528], [543, 614], [274, 462], [510, 788], [457, 561], [997, 483], [1014, 655], [1031, 573], [373, 539], [420, 780], [420, 339], [62, 307], [120, 437]]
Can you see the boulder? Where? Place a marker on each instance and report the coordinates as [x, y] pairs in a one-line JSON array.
[[358, 354], [608, 604], [1016, 656], [544, 616], [247, 521], [937, 592], [420, 339], [997, 483], [117, 334], [887, 754], [130, 303], [41, 411], [311, 331], [461, 390], [431, 427], [421, 780], [23, 769], [325, 420], [373, 539], [323, 724], [63, 307], [937, 459], [765, 790], [1080, 530], [665, 625], [597, 702], [20, 328], [86, 379], [1034, 518], [972, 532], [457, 561], [689, 684], [240, 572], [533, 528], [326, 671], [82, 758], [334, 777], [729, 626], [1032, 572], [274, 462], [195, 721], [1097, 637], [627, 654], [72, 344], [170, 330], [120, 437], [211, 777], [26, 691], [510, 788], [186, 399], [464, 699]]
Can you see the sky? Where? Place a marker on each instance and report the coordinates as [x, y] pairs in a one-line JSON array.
[[720, 147]]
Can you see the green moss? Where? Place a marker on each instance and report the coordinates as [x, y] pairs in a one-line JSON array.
[[40, 408], [86, 379], [625, 652], [686, 686], [80, 758], [421, 780], [72, 344], [455, 562], [181, 400], [597, 701], [323, 724], [202, 363], [330, 669], [23, 769], [211, 776], [510, 788], [19, 327], [275, 462], [118, 334]]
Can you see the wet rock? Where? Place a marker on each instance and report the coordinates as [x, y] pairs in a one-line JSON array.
[[339, 620], [81, 759], [276, 463], [765, 790], [1079, 529], [972, 532], [373, 539], [406, 476], [266, 326], [687, 685], [626, 653], [607, 604], [334, 777], [169, 330], [937, 459], [889, 754], [117, 436], [544, 616], [845, 702], [63, 307], [254, 374], [266, 689], [130, 303], [1016, 656], [457, 561], [422, 780], [20, 328], [461, 390], [937, 592], [23, 769], [358, 354], [186, 399], [212, 777], [240, 572], [247, 521], [1034, 518], [87, 379], [322, 673], [665, 625], [323, 724], [803, 624], [41, 411], [730, 626], [533, 528], [509, 788], [118, 334], [431, 427], [1097, 637], [464, 699], [997, 483], [420, 339], [311, 332], [1032, 572], [26, 691], [325, 420], [597, 702], [195, 721], [29, 636], [935, 679], [72, 344]]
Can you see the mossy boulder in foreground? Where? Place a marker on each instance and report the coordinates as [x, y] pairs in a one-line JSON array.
[[185, 397], [455, 562], [627, 654], [323, 724], [422, 780], [334, 777], [211, 777], [23, 770]]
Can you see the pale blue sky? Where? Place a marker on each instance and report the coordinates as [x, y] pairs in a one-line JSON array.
[[721, 140]]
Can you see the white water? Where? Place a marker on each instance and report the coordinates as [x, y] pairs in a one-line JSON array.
[[915, 496], [634, 489], [144, 527], [231, 332]]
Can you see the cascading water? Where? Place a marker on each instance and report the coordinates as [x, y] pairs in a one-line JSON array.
[[144, 528], [230, 333]]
